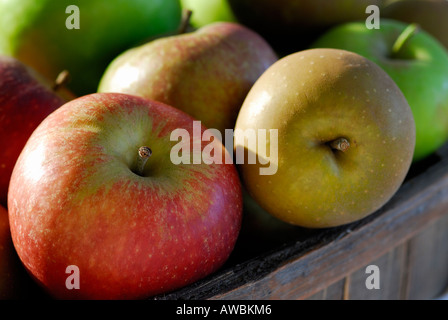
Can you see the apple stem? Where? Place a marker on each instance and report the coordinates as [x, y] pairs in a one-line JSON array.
[[62, 79], [186, 16], [407, 33], [340, 144], [143, 155]]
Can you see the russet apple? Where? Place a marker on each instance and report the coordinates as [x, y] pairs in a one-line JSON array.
[[26, 98], [206, 73], [346, 138], [94, 190]]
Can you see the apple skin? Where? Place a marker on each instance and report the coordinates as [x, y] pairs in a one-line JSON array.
[[26, 98], [314, 97], [35, 32], [291, 25], [432, 16], [206, 73], [74, 200], [420, 71], [208, 11]]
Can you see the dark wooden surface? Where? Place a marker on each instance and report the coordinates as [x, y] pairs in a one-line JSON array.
[[407, 239], [416, 269]]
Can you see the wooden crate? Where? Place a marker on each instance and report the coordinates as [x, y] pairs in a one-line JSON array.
[[407, 240]]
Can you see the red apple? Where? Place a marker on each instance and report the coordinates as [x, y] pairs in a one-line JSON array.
[[25, 100], [79, 197]]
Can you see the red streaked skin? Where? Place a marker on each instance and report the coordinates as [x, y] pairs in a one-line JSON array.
[[74, 200], [25, 100]]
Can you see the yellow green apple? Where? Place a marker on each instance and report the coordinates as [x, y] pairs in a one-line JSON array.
[[346, 138]]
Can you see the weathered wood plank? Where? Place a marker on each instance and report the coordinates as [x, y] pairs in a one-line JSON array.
[[390, 266], [416, 269], [428, 262], [334, 291]]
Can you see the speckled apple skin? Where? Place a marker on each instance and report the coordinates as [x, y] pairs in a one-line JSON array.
[[75, 200], [314, 97]]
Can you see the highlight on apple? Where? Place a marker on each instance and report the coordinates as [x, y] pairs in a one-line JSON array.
[[249, 143]]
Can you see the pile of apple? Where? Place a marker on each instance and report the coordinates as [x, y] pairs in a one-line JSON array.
[[91, 94]]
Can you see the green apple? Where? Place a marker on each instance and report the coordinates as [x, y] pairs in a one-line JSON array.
[[208, 11], [206, 73], [291, 25], [432, 16], [36, 32], [415, 61], [346, 138]]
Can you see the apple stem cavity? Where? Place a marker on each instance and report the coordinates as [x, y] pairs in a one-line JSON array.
[[61, 80], [340, 144], [143, 155], [185, 23], [407, 34]]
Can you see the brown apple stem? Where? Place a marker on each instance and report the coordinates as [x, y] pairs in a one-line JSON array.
[[340, 144], [61, 80], [407, 34], [143, 155], [186, 16]]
